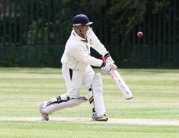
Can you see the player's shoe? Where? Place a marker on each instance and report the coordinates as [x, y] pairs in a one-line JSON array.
[[96, 118], [44, 115]]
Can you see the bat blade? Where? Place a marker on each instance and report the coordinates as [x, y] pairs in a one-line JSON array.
[[121, 84]]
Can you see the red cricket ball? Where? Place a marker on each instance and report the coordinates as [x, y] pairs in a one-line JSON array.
[[139, 34]]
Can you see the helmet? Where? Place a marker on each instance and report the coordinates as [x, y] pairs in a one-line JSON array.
[[80, 19]]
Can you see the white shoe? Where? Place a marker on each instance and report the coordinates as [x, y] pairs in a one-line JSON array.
[[96, 118], [44, 115]]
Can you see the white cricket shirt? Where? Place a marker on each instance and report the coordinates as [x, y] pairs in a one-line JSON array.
[[77, 51]]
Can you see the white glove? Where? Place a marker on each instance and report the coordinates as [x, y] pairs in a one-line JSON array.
[[107, 68], [109, 60]]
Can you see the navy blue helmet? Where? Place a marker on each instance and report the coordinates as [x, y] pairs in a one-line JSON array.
[[80, 19]]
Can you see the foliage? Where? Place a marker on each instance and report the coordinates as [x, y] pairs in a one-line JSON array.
[[48, 23], [156, 6], [124, 15]]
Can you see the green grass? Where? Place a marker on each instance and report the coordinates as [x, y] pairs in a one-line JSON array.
[[155, 91]]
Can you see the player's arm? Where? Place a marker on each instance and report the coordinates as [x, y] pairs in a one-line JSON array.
[[99, 47], [83, 56]]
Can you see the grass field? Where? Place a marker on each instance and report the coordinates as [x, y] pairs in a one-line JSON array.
[[152, 113]]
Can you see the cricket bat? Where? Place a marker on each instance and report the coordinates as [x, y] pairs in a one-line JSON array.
[[121, 84]]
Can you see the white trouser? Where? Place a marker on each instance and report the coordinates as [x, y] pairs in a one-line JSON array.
[[75, 79]]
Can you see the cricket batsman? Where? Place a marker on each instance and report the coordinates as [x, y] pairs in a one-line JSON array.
[[77, 72]]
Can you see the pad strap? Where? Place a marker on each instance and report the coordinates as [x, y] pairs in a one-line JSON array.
[[59, 100]]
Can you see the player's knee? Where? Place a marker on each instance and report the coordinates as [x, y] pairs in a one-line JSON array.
[[97, 85]]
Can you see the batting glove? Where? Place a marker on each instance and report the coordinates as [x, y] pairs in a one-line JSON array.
[[107, 58], [107, 68]]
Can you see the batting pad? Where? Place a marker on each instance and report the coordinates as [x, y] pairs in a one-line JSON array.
[[58, 106], [97, 91]]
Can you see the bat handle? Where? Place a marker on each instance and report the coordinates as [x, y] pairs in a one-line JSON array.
[[111, 69]]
